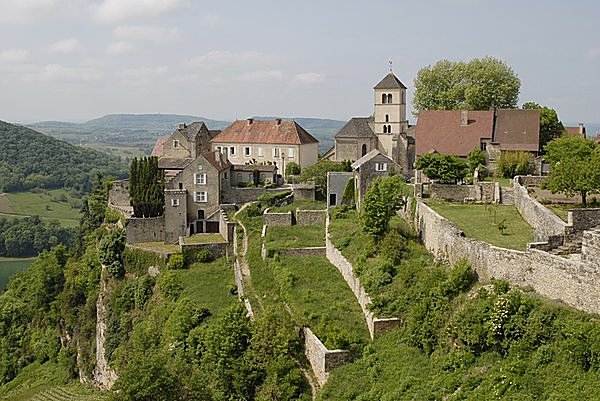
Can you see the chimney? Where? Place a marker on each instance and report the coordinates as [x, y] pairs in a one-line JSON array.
[[464, 118], [581, 130], [250, 121], [182, 125], [278, 121]]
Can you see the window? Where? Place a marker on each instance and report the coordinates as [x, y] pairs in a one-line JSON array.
[[225, 175], [389, 129], [275, 152], [247, 151], [261, 152], [232, 150], [384, 98], [364, 150], [389, 98], [385, 129], [387, 118], [291, 153], [200, 197], [483, 146], [380, 166], [174, 202], [175, 144], [200, 179], [220, 149]]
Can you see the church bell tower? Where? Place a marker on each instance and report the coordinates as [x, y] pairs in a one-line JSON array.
[[390, 113]]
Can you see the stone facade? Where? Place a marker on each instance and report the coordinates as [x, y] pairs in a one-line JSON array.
[[584, 219], [574, 282], [118, 194], [336, 184], [322, 360], [591, 249], [310, 217], [149, 229], [366, 169]]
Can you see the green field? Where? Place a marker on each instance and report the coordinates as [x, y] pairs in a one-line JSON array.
[[481, 222], [295, 237], [10, 266], [57, 204]]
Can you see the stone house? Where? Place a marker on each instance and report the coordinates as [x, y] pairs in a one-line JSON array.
[[579, 131], [194, 195], [267, 142], [387, 130], [366, 169], [336, 184]]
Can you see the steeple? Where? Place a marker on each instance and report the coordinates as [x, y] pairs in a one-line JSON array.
[[390, 112]]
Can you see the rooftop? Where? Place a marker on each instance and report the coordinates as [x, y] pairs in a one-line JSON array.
[[285, 132]]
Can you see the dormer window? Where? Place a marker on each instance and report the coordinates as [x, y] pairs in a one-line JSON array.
[[175, 144]]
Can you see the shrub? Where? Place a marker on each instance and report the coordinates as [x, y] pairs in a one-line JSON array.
[[204, 256], [392, 247], [254, 210], [292, 168], [339, 212], [110, 252], [170, 285], [176, 261], [511, 164], [348, 197]]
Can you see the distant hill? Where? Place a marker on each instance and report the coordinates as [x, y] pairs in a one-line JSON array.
[[129, 135], [30, 159]]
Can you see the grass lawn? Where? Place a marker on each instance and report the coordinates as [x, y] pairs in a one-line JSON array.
[[158, 246], [57, 204], [301, 204], [295, 237], [210, 238], [209, 284], [46, 382], [481, 222], [10, 266], [504, 182], [560, 209]]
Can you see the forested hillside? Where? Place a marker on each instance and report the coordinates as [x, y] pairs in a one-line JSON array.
[[29, 159]]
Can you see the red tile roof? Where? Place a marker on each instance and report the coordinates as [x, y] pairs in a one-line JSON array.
[[218, 160], [441, 131], [576, 131], [517, 129], [158, 149], [284, 132]]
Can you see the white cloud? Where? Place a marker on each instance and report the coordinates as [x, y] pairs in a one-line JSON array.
[[152, 34], [66, 46], [219, 58], [593, 54], [119, 48], [145, 72], [261, 76], [114, 11], [211, 20], [24, 11], [55, 73], [13, 56], [308, 78]]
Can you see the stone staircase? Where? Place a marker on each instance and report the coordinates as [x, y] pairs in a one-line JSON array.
[[570, 246]]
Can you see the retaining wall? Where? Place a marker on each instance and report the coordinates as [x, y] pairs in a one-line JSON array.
[[277, 219], [321, 359], [243, 195], [568, 280], [147, 229], [310, 217], [584, 219], [376, 326]]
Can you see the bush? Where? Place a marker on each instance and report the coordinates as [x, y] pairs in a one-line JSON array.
[[512, 163], [292, 168], [254, 210], [110, 252], [392, 247], [339, 212], [349, 197], [204, 256], [170, 285], [176, 261]]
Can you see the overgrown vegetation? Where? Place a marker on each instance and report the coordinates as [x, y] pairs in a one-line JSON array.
[[447, 169], [512, 163], [317, 173]]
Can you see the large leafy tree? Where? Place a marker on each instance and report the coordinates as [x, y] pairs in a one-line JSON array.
[[574, 163], [475, 85], [550, 126], [317, 173], [448, 169], [383, 198]]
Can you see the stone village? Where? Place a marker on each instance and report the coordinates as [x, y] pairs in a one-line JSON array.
[[210, 172]]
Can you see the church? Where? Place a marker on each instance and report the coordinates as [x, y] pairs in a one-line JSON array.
[[386, 130]]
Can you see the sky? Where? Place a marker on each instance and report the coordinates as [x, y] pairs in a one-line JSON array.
[[74, 60]]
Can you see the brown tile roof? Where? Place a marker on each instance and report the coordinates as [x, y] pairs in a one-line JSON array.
[[190, 131], [441, 131], [285, 132], [159, 145], [217, 160], [172, 163], [390, 81], [357, 127], [517, 129], [576, 131]]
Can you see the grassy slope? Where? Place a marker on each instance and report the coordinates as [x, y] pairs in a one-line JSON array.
[[295, 237], [481, 222], [44, 204]]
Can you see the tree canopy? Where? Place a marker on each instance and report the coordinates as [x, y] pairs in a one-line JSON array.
[[550, 126], [574, 163], [146, 187], [317, 173], [448, 169], [383, 198], [475, 85]]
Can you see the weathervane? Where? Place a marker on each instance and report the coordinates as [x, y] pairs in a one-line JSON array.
[[390, 65]]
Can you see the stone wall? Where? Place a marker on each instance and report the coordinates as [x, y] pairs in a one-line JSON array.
[[376, 326], [190, 250], [455, 193], [544, 223], [529, 180], [244, 195], [568, 280], [320, 358], [311, 251], [277, 219], [148, 229], [590, 250], [310, 217], [304, 191], [226, 227], [118, 194], [584, 219]]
